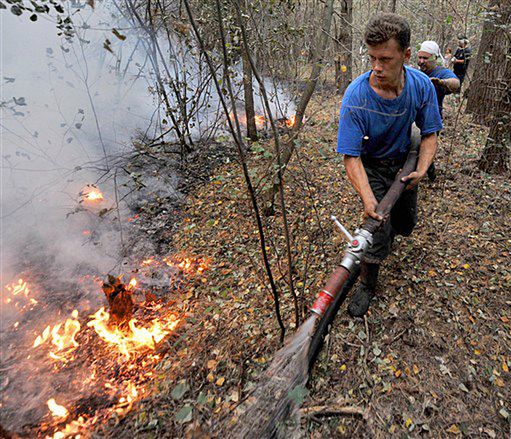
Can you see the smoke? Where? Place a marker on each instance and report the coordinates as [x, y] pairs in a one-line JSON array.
[[71, 112]]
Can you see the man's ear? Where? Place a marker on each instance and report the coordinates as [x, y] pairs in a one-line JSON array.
[[408, 54]]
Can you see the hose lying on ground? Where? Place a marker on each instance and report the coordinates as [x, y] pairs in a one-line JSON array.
[[269, 410]]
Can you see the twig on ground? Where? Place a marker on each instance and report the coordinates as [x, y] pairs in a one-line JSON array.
[[332, 410]]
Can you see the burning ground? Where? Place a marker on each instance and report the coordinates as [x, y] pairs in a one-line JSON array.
[[85, 367], [434, 353]]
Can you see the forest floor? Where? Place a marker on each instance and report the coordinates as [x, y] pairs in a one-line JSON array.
[[434, 353]]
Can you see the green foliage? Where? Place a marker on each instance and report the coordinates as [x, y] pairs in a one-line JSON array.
[[48, 7], [298, 394], [179, 391]]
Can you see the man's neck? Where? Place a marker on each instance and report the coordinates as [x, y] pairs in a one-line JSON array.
[[428, 72], [389, 90]]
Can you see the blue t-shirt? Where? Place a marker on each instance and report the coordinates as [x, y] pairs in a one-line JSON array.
[[381, 128], [441, 73]]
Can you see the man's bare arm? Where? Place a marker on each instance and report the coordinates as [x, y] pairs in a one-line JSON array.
[[358, 177], [450, 85], [429, 145]]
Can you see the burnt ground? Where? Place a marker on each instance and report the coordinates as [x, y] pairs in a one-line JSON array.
[[433, 356]]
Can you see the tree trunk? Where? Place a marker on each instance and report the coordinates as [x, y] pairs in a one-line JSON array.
[[496, 155], [343, 47], [491, 63], [489, 98], [249, 96], [289, 146]]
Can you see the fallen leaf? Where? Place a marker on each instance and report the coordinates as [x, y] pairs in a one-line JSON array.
[[499, 382], [453, 429], [185, 414], [220, 381], [462, 386], [504, 413]]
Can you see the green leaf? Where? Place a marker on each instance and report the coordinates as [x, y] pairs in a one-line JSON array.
[[201, 399], [298, 394], [179, 391], [448, 19], [185, 414]]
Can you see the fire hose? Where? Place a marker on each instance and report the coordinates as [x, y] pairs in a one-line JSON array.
[[330, 299], [270, 404]]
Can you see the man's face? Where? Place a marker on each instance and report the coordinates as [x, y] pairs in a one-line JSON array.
[[387, 60], [461, 43], [426, 61]]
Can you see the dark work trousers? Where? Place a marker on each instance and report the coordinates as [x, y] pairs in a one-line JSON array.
[[403, 216]]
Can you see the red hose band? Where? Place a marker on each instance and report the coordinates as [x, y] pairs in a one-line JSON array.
[[322, 302]]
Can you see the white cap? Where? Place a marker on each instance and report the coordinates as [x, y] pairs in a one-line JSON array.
[[431, 47]]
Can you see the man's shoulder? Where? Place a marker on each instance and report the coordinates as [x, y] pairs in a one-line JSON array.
[[416, 74], [358, 88], [442, 73], [416, 78]]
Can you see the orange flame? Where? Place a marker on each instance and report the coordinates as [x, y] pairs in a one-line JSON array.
[[63, 338], [136, 338], [58, 411], [189, 265], [290, 122], [70, 430], [133, 283], [148, 261], [259, 119], [91, 193], [17, 290]]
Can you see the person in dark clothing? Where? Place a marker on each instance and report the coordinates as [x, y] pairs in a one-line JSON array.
[[445, 81], [461, 59], [375, 135]]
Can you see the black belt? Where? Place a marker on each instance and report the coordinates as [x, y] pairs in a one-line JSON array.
[[383, 162]]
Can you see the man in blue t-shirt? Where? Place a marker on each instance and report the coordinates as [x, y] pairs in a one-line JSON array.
[[375, 135], [444, 80]]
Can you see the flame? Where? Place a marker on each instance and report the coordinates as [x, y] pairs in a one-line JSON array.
[[259, 119], [290, 122], [70, 430], [91, 193], [133, 283], [62, 337], [58, 411], [19, 292], [189, 265], [19, 287], [135, 338]]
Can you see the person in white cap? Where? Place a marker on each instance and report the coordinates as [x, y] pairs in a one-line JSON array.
[[431, 63], [445, 81]]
